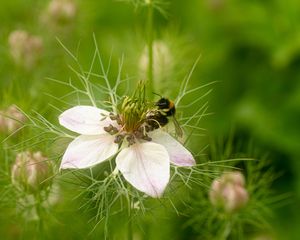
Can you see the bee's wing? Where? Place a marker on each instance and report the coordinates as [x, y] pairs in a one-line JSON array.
[[178, 129]]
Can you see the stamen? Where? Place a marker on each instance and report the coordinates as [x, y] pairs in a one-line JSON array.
[[115, 117], [147, 138], [111, 129], [130, 139], [104, 117], [112, 116], [138, 134], [119, 138]]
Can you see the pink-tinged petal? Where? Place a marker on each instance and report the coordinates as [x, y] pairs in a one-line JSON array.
[[87, 151], [146, 166], [85, 120], [179, 155]]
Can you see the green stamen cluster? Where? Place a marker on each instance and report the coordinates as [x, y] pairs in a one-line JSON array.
[[133, 113], [132, 119]]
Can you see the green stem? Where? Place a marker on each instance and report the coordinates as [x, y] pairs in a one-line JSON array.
[[227, 229], [129, 232], [150, 45], [39, 200]]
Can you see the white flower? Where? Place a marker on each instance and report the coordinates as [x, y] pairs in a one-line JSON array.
[[145, 164]]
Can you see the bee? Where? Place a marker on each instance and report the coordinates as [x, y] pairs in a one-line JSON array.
[[159, 117], [166, 106]]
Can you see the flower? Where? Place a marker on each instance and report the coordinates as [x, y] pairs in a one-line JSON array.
[[11, 119], [25, 49], [216, 4], [264, 236], [163, 63], [143, 153], [31, 171], [228, 192], [60, 12]]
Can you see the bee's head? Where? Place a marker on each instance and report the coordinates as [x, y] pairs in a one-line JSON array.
[[163, 103]]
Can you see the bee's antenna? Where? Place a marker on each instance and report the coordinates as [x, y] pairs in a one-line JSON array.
[[157, 94]]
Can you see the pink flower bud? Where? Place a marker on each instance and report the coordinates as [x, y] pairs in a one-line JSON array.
[[25, 49], [228, 192], [31, 172], [234, 177], [61, 11], [162, 62], [216, 4], [264, 237], [11, 119]]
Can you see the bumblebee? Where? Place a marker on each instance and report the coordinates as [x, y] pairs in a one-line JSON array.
[[159, 117], [166, 106]]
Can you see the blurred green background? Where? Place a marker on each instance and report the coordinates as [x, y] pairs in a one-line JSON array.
[[251, 48]]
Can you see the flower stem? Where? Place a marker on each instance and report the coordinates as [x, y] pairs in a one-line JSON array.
[[227, 229], [130, 235], [38, 199], [150, 44], [129, 232]]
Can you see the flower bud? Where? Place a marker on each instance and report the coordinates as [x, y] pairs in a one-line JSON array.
[[11, 119], [25, 49], [264, 237], [234, 177], [162, 62], [31, 172], [61, 11], [228, 192], [216, 4]]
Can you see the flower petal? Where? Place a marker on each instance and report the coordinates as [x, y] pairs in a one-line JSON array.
[[146, 166], [86, 151], [179, 155], [85, 120]]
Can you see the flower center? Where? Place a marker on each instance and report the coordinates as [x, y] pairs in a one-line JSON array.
[[133, 121]]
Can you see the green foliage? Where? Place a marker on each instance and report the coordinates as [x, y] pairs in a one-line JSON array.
[[247, 76]]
